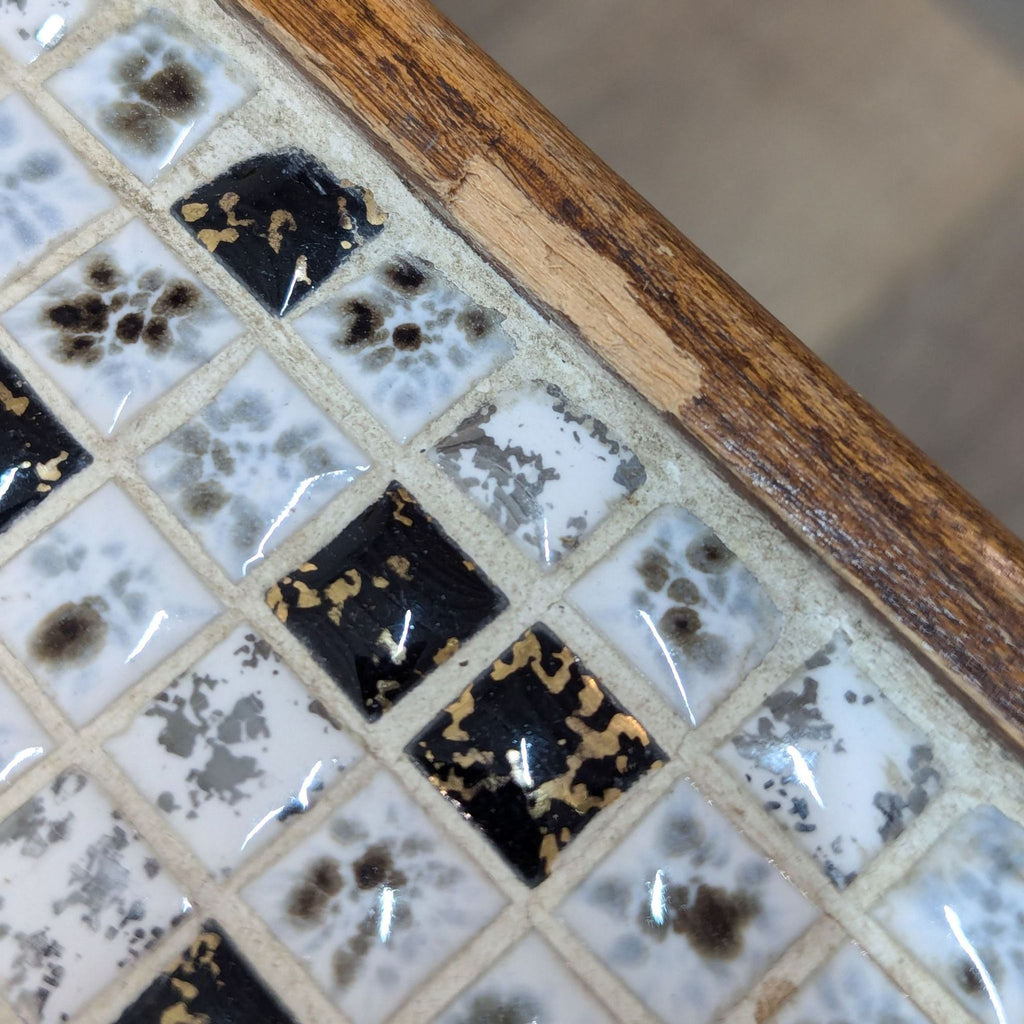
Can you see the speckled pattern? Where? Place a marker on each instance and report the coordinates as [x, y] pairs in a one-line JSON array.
[[29, 27], [385, 602], [832, 759], [960, 911], [256, 464], [683, 608], [406, 342], [374, 901], [121, 325], [533, 750], [281, 223], [22, 739], [686, 912], [83, 896], [546, 472], [232, 749]]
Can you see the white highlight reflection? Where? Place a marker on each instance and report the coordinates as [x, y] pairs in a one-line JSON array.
[[386, 908], [51, 30], [398, 656], [7, 478], [154, 624], [301, 798], [177, 144], [804, 774], [953, 919], [658, 902], [649, 622], [19, 759], [117, 414]]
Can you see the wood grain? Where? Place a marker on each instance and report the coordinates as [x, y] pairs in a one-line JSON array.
[[582, 244]]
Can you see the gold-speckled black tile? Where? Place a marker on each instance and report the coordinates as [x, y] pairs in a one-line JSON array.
[[533, 749], [385, 602], [36, 452], [281, 223], [210, 983]]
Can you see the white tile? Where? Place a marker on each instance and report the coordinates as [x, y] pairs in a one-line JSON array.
[[22, 739], [28, 27]]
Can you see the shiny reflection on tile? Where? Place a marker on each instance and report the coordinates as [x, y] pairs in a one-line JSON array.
[[22, 739], [83, 897], [97, 601], [375, 901], [686, 911], [30, 27], [233, 749], [121, 325], [834, 761], [682, 608]]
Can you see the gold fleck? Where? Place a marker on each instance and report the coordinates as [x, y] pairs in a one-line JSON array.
[[211, 238], [380, 582], [460, 710], [346, 244], [400, 497], [450, 647], [470, 566], [307, 567], [11, 402], [279, 219], [399, 565], [374, 214], [277, 603], [300, 274], [227, 203], [194, 211], [308, 597], [548, 852], [50, 471]]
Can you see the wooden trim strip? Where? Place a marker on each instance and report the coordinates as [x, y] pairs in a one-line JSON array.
[[587, 248]]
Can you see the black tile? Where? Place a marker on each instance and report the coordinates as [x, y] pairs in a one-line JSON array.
[[389, 599], [36, 452], [281, 223], [532, 750], [210, 982]]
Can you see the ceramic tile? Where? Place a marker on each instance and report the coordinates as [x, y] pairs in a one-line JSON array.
[[22, 739], [682, 608], [210, 983], [121, 325], [406, 342], [281, 223], [528, 985], [385, 602], [256, 464], [532, 750], [543, 470], [849, 989], [150, 93], [960, 911], [28, 27], [686, 912], [375, 901], [232, 749], [83, 896], [45, 190], [833, 760], [97, 601], [36, 453]]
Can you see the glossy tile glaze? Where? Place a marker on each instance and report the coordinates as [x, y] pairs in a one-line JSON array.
[[22, 739], [406, 342], [232, 749], [121, 325], [374, 901], [29, 27], [83, 896], [682, 608]]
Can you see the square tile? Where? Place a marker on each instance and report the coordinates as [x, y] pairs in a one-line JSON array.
[[375, 901], [22, 739], [406, 342], [150, 92], [546, 472], [385, 602], [121, 325], [532, 750], [686, 911], [211, 982], [528, 985], [232, 748], [36, 453], [681, 607], [281, 223], [97, 601], [832, 759], [46, 192], [28, 27], [83, 896], [960, 911], [256, 464]]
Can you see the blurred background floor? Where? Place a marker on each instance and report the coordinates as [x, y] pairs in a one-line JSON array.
[[858, 167]]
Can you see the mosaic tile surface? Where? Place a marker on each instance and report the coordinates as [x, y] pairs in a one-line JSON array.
[[533, 749], [686, 911], [150, 93], [232, 749], [22, 739], [83, 897], [681, 606], [97, 601], [121, 325], [833, 760], [281, 223], [406, 342], [374, 901], [960, 911], [385, 602], [546, 472], [45, 190], [256, 464], [28, 27]]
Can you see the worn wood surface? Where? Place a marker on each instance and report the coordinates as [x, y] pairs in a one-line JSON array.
[[582, 244]]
